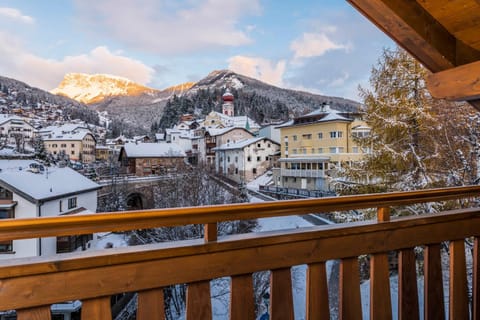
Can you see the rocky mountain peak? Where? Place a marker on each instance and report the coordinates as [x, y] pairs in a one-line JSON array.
[[94, 88]]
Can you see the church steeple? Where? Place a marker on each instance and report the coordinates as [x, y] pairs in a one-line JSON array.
[[228, 107]]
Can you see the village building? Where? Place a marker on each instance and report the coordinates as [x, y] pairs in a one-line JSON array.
[[145, 159], [245, 160], [77, 145], [316, 145], [205, 140], [16, 129], [29, 190], [103, 153]]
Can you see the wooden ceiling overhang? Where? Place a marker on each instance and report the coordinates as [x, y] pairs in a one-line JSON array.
[[444, 35]]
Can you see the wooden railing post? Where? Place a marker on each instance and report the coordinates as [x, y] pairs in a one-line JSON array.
[[281, 297], [210, 232], [407, 286], [38, 313], [97, 308], [150, 305], [199, 304], [380, 301], [458, 306], [317, 292], [242, 304], [433, 288], [350, 301]]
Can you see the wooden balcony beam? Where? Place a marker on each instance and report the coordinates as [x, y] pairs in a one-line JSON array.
[[460, 83]]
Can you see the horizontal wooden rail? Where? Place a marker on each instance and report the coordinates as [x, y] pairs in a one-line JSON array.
[[11, 229], [42, 281]]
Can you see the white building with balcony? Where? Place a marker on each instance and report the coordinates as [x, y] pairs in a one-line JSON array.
[[245, 160]]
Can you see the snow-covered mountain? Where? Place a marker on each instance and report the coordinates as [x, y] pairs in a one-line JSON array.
[[95, 88]]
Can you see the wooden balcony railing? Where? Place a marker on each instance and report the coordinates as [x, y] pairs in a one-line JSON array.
[[31, 285]]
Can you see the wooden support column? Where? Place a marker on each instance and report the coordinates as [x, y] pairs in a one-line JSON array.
[[98, 309], [380, 301], [350, 303], [242, 306], [150, 305], [199, 305], [38, 313], [210, 232], [281, 298], [458, 306], [433, 287], [317, 292], [407, 286]]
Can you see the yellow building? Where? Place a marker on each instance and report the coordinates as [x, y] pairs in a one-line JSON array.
[[77, 145], [315, 145]]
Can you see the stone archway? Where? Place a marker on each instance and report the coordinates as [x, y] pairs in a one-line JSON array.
[[135, 201]]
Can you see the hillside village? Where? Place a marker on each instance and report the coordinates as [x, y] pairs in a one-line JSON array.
[[43, 145]]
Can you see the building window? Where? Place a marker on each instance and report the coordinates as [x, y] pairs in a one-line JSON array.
[[294, 151], [228, 159], [259, 145], [355, 149], [320, 150], [259, 158], [313, 150], [304, 150], [60, 206], [236, 159], [336, 134], [72, 203], [306, 136], [294, 138], [268, 145], [63, 145], [236, 170], [73, 145], [249, 158], [254, 170], [320, 135], [72, 152]]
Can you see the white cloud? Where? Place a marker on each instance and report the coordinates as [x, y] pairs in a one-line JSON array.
[[169, 26], [44, 73], [314, 45], [15, 14], [259, 68]]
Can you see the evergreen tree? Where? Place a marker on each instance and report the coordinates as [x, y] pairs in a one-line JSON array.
[[402, 140], [39, 148]]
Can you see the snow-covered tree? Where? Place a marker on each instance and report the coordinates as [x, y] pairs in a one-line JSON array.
[[402, 138], [39, 148]]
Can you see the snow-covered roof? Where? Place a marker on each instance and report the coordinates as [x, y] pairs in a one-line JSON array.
[[285, 124], [8, 117], [72, 136], [241, 121], [152, 150], [218, 132], [67, 127], [54, 182], [241, 144]]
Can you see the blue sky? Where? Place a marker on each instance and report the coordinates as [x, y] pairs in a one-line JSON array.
[[321, 46]]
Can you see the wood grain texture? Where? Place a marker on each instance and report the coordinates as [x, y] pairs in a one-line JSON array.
[[98, 309], [380, 301], [458, 306], [433, 287], [38, 313], [11, 229], [408, 308], [383, 214], [199, 305], [242, 305], [151, 305], [210, 231], [350, 304], [317, 292], [121, 270], [281, 298], [460, 83]]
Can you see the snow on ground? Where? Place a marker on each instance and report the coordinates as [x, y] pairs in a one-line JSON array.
[[263, 180], [108, 240]]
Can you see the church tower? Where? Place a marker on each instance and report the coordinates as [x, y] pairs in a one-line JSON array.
[[227, 107]]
